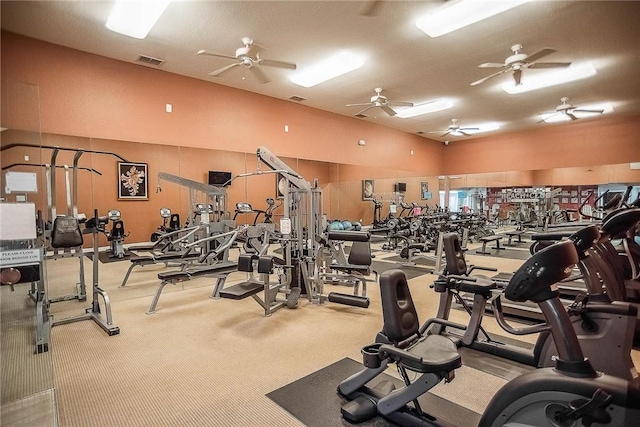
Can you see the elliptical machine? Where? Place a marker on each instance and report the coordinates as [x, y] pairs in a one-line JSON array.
[[571, 394]]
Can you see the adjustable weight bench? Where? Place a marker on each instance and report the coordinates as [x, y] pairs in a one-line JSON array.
[[218, 271]]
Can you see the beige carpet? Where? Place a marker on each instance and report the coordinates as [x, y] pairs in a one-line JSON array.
[[199, 361]]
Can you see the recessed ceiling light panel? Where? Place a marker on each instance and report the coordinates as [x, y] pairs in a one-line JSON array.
[[458, 14], [135, 18], [327, 69], [425, 108]]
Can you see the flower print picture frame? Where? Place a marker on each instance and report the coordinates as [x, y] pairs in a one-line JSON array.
[[132, 181]]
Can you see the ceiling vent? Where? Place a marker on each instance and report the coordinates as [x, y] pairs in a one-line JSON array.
[[297, 98], [150, 60], [362, 116]]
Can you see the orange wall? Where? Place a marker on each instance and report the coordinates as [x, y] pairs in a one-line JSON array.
[[92, 96], [584, 143], [105, 104]]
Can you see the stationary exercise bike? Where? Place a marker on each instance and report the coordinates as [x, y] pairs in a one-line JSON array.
[[598, 323], [116, 235], [571, 394]]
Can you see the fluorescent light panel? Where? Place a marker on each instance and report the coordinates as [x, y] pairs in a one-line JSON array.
[[459, 14], [561, 117], [552, 78], [135, 18], [426, 108], [327, 69], [483, 127]]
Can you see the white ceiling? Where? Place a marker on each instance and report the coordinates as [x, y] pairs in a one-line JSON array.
[[406, 63]]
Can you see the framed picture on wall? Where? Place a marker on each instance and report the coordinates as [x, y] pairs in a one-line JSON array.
[[424, 191], [132, 181], [367, 189], [281, 186]]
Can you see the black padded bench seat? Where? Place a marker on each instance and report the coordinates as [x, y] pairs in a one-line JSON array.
[[487, 239], [349, 268], [142, 260], [512, 234], [552, 235], [349, 236], [189, 273], [220, 271], [241, 290]]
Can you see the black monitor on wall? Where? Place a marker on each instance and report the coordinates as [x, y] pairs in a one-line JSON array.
[[219, 178], [400, 187]]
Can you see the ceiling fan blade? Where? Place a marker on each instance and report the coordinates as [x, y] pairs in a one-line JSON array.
[[491, 65], [549, 65], [401, 104], [362, 111], [548, 116], [370, 7], [466, 129], [437, 131], [223, 69], [388, 110], [484, 79], [358, 105], [279, 64], [539, 54], [517, 76], [581, 110], [571, 115], [445, 134], [218, 55], [463, 133], [260, 75]]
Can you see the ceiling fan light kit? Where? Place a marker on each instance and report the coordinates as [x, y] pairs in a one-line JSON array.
[[518, 62], [379, 101], [248, 56], [540, 81], [568, 112]]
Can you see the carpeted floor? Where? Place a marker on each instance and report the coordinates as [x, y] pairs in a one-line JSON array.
[[320, 388], [196, 361]]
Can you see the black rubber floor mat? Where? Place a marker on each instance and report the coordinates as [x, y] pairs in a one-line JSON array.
[[314, 400]]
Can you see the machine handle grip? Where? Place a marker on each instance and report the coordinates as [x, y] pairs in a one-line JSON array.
[[497, 312]]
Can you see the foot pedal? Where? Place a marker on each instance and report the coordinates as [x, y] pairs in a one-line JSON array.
[[292, 298], [359, 410]]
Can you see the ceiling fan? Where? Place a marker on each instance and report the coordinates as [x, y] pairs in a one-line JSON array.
[[569, 110], [455, 129], [518, 62], [249, 56], [381, 101]]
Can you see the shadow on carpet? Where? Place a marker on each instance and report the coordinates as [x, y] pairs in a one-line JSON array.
[[418, 260], [315, 402], [105, 257], [411, 272]]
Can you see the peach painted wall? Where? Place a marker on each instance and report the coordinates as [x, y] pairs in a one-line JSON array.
[[92, 96], [582, 143]]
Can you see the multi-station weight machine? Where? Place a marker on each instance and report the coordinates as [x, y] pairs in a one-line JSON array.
[[301, 222]]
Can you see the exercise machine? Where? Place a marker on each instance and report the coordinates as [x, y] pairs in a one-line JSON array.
[[570, 394], [597, 324]]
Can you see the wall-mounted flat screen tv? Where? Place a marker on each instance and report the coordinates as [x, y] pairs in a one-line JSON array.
[[219, 178], [400, 187]]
